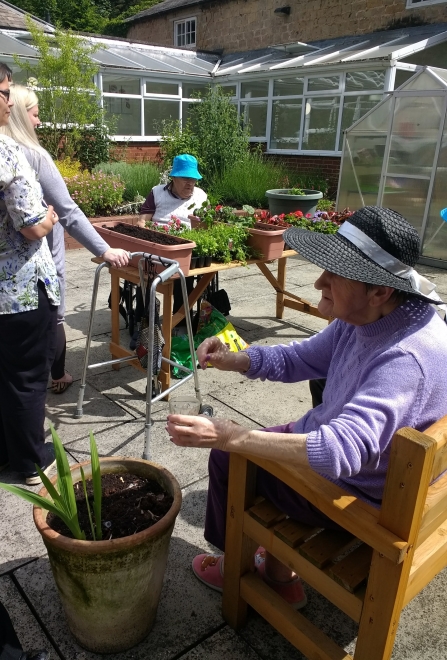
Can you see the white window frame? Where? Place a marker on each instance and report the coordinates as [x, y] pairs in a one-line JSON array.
[[184, 22], [417, 4]]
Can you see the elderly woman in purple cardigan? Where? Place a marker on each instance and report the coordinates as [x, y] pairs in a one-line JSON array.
[[381, 357]]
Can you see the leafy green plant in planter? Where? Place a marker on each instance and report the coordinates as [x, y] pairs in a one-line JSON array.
[[63, 502], [95, 577], [225, 242]]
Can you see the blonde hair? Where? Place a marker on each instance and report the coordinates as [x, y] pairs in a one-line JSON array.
[[19, 127]]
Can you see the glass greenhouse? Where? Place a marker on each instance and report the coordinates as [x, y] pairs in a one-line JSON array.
[[297, 98], [396, 156]]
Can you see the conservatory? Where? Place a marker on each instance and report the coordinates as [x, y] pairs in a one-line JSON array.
[[396, 156], [297, 98]]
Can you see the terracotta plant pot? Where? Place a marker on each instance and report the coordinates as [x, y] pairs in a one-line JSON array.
[[196, 223], [268, 242], [180, 252], [282, 202], [110, 589]]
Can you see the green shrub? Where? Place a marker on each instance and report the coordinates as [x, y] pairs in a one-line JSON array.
[[246, 181], [213, 134], [68, 167], [229, 242], [325, 205], [138, 178], [310, 181], [96, 193]]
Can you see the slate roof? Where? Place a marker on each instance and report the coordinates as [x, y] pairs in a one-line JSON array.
[[164, 7], [13, 18]]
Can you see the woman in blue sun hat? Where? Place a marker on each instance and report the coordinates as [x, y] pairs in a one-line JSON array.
[[177, 196], [174, 199]]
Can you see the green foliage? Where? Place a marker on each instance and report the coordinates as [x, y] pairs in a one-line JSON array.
[[296, 191], [68, 167], [246, 181], [325, 205], [93, 147], [62, 502], [175, 141], [97, 16], [213, 134], [308, 181], [229, 241], [138, 178], [97, 193], [68, 98], [206, 243]]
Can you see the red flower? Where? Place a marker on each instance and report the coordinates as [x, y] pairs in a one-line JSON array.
[[218, 207], [308, 215]]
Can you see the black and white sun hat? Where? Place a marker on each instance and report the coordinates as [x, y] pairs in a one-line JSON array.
[[376, 246]]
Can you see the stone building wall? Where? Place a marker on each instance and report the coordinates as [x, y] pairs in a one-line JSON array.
[[238, 25]]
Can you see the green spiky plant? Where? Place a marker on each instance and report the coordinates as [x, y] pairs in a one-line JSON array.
[[63, 501]]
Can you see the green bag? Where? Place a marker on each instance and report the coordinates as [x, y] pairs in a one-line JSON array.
[[180, 345]]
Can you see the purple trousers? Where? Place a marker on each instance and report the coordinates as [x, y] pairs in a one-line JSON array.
[[282, 496]]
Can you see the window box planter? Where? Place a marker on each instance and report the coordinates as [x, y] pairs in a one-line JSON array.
[[280, 201], [267, 240], [157, 242]]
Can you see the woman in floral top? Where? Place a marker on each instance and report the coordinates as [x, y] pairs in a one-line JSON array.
[[29, 296]]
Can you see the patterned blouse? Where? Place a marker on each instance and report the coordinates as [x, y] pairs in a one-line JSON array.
[[22, 262]]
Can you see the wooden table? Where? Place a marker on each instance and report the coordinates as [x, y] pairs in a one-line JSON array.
[[283, 299]]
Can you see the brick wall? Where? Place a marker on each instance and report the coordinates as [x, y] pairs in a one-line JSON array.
[[136, 152], [327, 166], [238, 25]]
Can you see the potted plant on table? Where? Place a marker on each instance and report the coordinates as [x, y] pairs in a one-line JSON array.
[[161, 240], [109, 582], [287, 200]]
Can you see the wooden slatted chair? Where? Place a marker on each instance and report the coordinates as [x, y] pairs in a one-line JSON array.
[[388, 555]]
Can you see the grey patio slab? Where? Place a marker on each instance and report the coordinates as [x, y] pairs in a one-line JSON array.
[[20, 542], [223, 644], [76, 323], [99, 352], [126, 388], [187, 464], [188, 611], [99, 413], [27, 628]]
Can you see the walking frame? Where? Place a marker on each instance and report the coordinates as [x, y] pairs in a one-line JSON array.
[[171, 268]]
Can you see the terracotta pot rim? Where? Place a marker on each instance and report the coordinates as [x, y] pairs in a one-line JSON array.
[[183, 243], [115, 545], [268, 232]]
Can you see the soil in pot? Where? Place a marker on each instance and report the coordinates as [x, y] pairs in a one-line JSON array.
[[263, 226], [130, 504], [147, 234]]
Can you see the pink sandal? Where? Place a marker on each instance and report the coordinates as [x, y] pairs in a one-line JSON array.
[[292, 592], [209, 570]]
